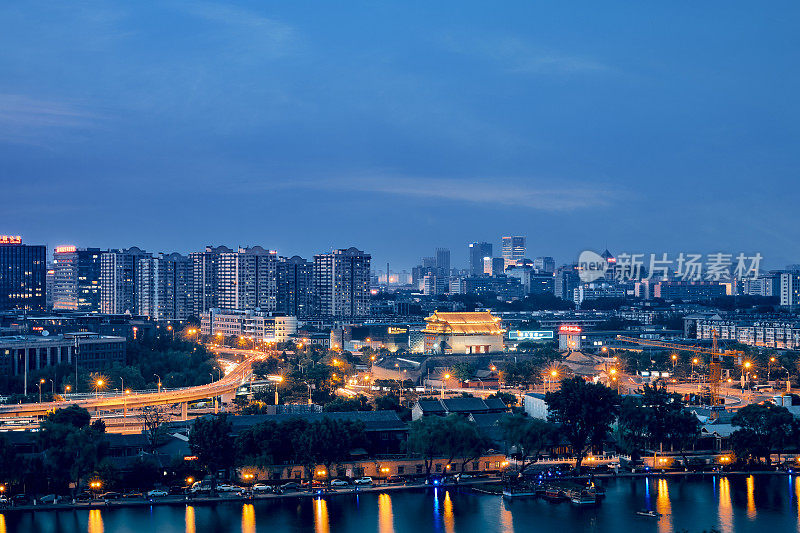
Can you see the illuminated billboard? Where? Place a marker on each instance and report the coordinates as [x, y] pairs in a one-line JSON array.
[[530, 335], [568, 329]]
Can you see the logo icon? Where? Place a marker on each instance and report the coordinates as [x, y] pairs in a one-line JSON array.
[[591, 266]]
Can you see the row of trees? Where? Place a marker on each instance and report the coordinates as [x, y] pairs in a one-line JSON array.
[[295, 441]]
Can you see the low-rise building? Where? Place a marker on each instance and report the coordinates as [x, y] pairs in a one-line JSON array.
[[23, 353], [460, 405], [259, 325]]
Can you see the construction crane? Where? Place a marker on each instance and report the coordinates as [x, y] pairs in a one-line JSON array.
[[715, 360]]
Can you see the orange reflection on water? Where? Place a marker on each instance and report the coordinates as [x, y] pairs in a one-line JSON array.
[[189, 519], [321, 521], [725, 506], [95, 521], [385, 515], [2, 523], [449, 519], [248, 518], [751, 497], [664, 506], [796, 500], [506, 519]]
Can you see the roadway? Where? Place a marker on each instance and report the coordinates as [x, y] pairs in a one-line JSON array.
[[236, 376]]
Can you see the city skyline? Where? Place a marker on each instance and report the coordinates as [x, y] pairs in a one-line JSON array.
[[621, 127]]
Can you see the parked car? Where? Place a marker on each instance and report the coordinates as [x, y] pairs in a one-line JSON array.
[[84, 497], [50, 498], [20, 499], [133, 494], [366, 480], [261, 487], [464, 477], [157, 493], [339, 483], [291, 486], [226, 487], [395, 479], [110, 496]]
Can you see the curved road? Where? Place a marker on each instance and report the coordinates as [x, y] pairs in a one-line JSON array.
[[227, 385]]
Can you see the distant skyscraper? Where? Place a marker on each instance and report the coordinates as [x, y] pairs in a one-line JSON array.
[[118, 269], [443, 262], [342, 283], [544, 264], [247, 279], [513, 250], [492, 266], [295, 286], [23, 269], [76, 279], [477, 252]]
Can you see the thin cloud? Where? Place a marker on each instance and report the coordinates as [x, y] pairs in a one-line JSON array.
[[247, 27], [28, 120], [488, 192], [520, 56]]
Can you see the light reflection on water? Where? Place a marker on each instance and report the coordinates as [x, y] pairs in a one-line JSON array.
[[751, 497], [664, 507], [385, 516], [189, 519], [248, 518], [725, 505], [449, 518], [745, 504], [321, 518], [95, 521]]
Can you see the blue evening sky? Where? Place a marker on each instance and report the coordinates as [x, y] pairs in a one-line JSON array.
[[401, 126]]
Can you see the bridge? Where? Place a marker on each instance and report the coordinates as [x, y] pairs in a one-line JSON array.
[[225, 387]]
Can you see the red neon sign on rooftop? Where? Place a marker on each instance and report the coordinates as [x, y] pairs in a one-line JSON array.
[[569, 329]]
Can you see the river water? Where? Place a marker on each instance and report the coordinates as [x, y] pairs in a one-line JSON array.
[[735, 503]]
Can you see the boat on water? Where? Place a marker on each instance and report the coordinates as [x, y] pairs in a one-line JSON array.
[[583, 497], [649, 513], [554, 494]]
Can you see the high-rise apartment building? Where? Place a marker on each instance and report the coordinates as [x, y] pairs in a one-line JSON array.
[[164, 287], [342, 283], [513, 250], [477, 252], [76, 279], [205, 268], [295, 286], [23, 270], [247, 279], [789, 283], [118, 278]]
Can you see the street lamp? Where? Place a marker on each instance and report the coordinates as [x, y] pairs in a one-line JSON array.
[[159, 382], [674, 360], [41, 382], [444, 380], [769, 367], [745, 367], [97, 385], [280, 380]]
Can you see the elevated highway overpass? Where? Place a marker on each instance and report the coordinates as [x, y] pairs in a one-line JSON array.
[[225, 387]]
